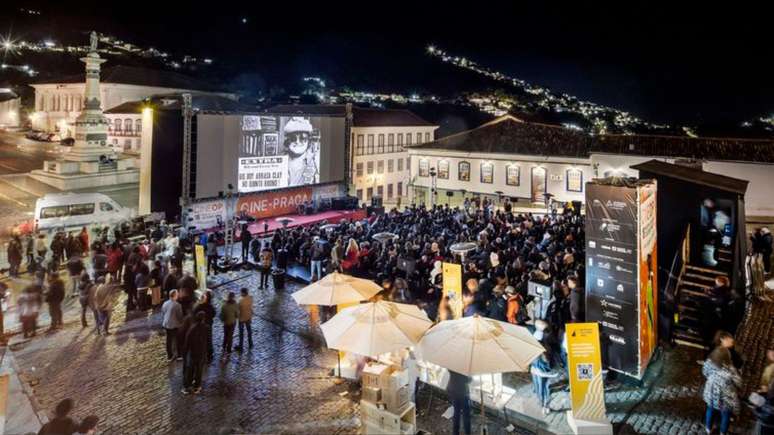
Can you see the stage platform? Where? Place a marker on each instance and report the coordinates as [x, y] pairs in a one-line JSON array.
[[299, 220]]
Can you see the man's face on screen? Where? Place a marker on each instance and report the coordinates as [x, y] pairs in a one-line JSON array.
[[297, 143]]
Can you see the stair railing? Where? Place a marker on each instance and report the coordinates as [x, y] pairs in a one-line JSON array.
[[676, 272]]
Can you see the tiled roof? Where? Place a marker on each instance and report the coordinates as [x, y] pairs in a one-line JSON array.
[[510, 135], [131, 75], [362, 117]]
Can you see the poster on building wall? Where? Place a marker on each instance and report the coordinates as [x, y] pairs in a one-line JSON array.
[[207, 214], [648, 275], [272, 204], [464, 171], [574, 180], [611, 272], [424, 168], [487, 173], [512, 173]]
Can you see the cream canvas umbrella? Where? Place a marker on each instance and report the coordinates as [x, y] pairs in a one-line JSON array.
[[479, 345], [336, 288], [375, 328]]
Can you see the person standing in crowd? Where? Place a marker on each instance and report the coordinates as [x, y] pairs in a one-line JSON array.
[[29, 303], [229, 313], [29, 249], [712, 309], [172, 318], [105, 293], [115, 261], [541, 368], [458, 390], [246, 239], [57, 250], [245, 319], [84, 293], [205, 306], [212, 255], [83, 237], [40, 245], [762, 244], [195, 354], [75, 268], [768, 372], [170, 281], [142, 284], [14, 256], [577, 300], [721, 390], [54, 298], [266, 260], [99, 262], [317, 257]]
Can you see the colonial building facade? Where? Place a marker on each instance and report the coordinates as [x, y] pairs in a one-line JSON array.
[[508, 157]]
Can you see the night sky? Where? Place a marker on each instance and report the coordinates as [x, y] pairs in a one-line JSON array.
[[684, 66]]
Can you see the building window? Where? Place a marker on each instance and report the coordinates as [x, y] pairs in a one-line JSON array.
[[360, 194], [128, 126], [390, 166], [400, 142], [487, 172], [380, 190], [408, 163], [370, 147], [118, 126], [389, 191], [128, 144], [443, 169], [408, 139], [380, 167], [400, 188], [463, 171], [369, 193], [574, 178], [419, 138], [512, 175], [359, 148], [391, 143], [380, 144], [138, 126], [400, 165], [427, 137], [370, 168], [424, 167], [359, 169]]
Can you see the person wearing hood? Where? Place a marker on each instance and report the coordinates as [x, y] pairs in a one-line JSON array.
[[541, 369]]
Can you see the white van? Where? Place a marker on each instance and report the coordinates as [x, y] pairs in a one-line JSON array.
[[76, 210]]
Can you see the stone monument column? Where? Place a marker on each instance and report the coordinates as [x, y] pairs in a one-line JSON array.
[[91, 126]]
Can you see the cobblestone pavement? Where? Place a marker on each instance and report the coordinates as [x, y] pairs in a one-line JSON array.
[[283, 385]]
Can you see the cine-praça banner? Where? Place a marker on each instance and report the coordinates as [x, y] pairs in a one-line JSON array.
[[452, 287]]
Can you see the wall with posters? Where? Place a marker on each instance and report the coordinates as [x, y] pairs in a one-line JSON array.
[[615, 296], [262, 151]]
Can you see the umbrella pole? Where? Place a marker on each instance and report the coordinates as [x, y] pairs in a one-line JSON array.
[[338, 352], [483, 413]]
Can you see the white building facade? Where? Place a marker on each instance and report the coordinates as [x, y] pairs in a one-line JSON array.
[[380, 162], [10, 108], [511, 158]]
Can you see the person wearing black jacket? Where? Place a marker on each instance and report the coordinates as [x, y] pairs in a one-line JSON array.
[[195, 354], [205, 306], [55, 296], [458, 390]]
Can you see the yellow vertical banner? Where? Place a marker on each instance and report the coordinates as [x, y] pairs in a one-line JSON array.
[[584, 366], [4, 379], [201, 267], [452, 287]]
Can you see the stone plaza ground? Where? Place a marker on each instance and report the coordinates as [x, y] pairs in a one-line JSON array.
[[284, 384]]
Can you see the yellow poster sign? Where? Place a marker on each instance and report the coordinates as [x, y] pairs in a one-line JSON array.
[[452, 287], [201, 267], [584, 365]]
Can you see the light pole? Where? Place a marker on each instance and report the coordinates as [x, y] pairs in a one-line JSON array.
[[433, 186]]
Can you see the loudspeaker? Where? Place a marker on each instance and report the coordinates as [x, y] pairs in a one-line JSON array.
[[376, 201], [378, 210]]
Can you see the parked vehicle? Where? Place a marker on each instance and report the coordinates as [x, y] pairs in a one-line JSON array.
[[68, 142], [75, 210]]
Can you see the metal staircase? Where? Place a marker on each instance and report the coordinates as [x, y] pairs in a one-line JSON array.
[[691, 297]]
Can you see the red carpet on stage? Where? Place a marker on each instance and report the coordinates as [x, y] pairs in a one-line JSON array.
[[333, 217]]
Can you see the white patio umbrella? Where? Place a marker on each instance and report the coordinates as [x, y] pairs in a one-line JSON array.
[[375, 328], [478, 345], [336, 288]]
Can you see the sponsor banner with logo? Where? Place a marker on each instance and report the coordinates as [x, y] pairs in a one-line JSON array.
[[271, 204], [648, 276], [613, 273], [207, 214], [452, 287], [584, 366], [327, 191]]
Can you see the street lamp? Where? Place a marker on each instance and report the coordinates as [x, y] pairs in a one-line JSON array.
[[433, 184]]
